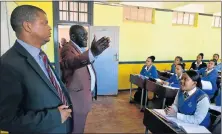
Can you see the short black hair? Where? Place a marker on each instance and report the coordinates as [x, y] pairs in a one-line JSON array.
[[195, 77], [213, 60], [23, 13], [217, 55], [181, 65], [73, 29], [180, 58]]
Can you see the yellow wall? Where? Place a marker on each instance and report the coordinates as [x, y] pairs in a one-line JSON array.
[[47, 7], [139, 40]]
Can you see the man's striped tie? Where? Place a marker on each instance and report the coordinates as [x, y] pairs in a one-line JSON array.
[[52, 78]]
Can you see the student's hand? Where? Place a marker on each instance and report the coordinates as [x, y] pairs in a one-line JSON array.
[[166, 83], [170, 111], [191, 69], [65, 112]]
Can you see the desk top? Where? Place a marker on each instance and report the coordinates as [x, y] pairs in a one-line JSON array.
[[178, 125], [156, 124], [137, 80], [161, 90]]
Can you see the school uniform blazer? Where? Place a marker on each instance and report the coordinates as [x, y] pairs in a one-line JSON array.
[[174, 81], [149, 72], [212, 77], [173, 68], [194, 67]]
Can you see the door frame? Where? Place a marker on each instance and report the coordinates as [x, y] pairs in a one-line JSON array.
[[57, 22]]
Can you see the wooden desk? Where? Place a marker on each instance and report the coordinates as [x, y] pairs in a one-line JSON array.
[[156, 124], [140, 82], [164, 75], [161, 91]]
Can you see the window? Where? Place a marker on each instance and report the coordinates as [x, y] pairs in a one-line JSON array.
[[138, 13], [216, 21], [183, 18], [71, 11]]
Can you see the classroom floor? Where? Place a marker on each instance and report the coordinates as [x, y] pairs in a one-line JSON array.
[[114, 115]]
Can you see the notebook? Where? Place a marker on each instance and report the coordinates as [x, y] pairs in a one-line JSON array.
[[195, 129], [187, 127]]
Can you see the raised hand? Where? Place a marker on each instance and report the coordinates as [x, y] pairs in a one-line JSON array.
[[97, 47]]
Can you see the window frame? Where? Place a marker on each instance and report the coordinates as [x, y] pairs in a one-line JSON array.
[[128, 17], [88, 11], [183, 18], [214, 21]]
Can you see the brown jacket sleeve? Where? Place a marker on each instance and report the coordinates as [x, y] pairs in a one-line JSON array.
[[70, 60]]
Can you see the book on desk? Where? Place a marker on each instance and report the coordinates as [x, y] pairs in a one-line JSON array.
[[187, 127]]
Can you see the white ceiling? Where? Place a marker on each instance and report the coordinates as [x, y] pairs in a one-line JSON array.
[[198, 7]]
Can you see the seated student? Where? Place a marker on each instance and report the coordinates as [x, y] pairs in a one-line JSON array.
[[198, 64], [191, 104], [216, 57], [174, 80], [178, 60], [218, 67], [209, 74], [149, 70]]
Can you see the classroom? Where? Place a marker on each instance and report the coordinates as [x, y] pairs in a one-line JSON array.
[[154, 48]]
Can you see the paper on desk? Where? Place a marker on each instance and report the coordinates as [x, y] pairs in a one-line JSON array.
[[216, 108], [187, 127], [160, 111], [195, 129], [206, 85]]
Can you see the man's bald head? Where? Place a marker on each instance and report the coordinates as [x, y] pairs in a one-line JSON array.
[[79, 35]]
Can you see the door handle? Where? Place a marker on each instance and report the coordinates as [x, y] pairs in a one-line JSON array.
[[116, 57]]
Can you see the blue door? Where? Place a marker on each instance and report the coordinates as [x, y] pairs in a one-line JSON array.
[[106, 64]]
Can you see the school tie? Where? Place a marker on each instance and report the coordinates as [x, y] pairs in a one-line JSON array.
[[206, 73], [52, 78], [185, 94]]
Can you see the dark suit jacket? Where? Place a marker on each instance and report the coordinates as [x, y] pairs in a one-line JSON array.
[[193, 65], [78, 80], [28, 100]]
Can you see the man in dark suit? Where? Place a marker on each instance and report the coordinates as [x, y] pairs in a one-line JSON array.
[[81, 82], [32, 97]]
